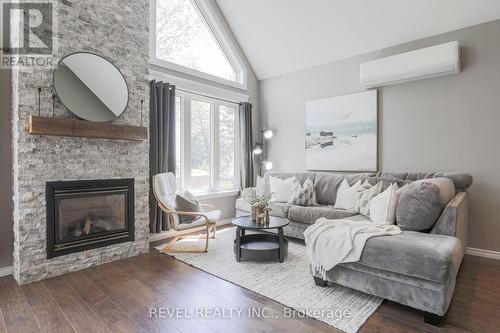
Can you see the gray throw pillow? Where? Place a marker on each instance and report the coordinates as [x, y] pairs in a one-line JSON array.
[[187, 203], [326, 185], [387, 181], [422, 202]]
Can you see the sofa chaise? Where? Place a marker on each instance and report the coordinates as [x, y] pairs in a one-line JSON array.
[[414, 268]]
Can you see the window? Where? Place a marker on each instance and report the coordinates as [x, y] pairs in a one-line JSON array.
[[227, 143], [207, 143], [182, 39], [200, 144]]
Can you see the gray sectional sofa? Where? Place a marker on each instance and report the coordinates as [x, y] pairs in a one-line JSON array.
[[417, 269]]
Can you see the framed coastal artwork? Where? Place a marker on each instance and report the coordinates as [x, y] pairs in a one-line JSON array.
[[341, 133]]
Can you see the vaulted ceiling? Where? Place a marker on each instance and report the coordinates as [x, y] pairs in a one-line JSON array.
[[281, 36]]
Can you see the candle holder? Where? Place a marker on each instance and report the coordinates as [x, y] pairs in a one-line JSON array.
[[39, 94], [142, 102]]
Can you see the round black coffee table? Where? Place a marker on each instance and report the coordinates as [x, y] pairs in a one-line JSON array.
[[264, 245]]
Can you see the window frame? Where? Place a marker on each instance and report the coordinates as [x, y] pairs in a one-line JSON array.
[[185, 144], [211, 17]]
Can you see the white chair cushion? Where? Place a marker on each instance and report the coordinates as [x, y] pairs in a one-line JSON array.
[[165, 189], [213, 215]]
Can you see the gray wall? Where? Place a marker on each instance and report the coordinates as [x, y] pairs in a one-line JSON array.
[[442, 124], [6, 232], [225, 204]]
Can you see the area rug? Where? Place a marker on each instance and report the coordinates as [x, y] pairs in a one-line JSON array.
[[288, 283]]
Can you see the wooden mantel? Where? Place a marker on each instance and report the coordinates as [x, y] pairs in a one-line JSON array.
[[85, 129]]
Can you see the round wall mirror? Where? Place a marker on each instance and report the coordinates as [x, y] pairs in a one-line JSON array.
[[91, 87]]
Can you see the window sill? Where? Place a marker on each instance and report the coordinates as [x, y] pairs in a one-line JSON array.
[[216, 194], [196, 86], [195, 75]]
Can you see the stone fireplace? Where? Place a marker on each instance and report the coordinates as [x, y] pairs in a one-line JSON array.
[[117, 30], [88, 214]]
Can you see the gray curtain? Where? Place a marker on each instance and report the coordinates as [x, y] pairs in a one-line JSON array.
[[162, 144], [246, 145]]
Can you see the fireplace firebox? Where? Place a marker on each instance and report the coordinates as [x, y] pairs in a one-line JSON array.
[[88, 214]]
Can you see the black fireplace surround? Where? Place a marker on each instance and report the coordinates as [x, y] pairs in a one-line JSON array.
[[87, 214]]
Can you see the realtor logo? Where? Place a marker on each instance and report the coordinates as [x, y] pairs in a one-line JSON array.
[[28, 32]]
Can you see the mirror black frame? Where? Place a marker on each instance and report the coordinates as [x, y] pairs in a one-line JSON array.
[[100, 56]]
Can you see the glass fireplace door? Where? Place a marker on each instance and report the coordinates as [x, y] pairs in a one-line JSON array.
[[83, 216]]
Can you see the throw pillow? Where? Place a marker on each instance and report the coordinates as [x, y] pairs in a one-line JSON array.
[[303, 195], [387, 181], [261, 186], [422, 202], [280, 188], [401, 190], [346, 195], [326, 185], [364, 195], [187, 203], [383, 206]]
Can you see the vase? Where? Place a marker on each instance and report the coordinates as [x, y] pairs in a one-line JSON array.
[[257, 209]]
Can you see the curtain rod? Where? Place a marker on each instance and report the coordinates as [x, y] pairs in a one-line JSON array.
[[208, 96]]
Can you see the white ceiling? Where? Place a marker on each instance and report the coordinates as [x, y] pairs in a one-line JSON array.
[[281, 36]]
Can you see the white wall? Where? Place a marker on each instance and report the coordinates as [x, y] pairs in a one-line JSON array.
[[443, 124]]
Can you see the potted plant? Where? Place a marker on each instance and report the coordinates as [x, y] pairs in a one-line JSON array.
[[258, 202]]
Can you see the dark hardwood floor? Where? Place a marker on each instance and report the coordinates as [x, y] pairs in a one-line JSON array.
[[117, 297]]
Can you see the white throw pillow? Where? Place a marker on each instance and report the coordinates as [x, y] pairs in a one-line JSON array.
[[346, 195], [261, 187], [303, 195], [364, 196], [280, 189], [383, 206]]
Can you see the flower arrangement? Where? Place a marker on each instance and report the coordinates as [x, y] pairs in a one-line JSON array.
[[258, 203], [250, 195]]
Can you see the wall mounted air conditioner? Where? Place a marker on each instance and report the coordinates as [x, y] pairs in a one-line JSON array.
[[438, 60]]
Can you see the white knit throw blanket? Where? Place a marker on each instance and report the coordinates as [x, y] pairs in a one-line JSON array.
[[332, 242]]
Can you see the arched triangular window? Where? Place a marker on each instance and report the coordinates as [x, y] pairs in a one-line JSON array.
[[185, 41]]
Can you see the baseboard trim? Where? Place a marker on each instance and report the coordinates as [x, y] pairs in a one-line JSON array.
[[170, 234], [4, 271], [483, 253]]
